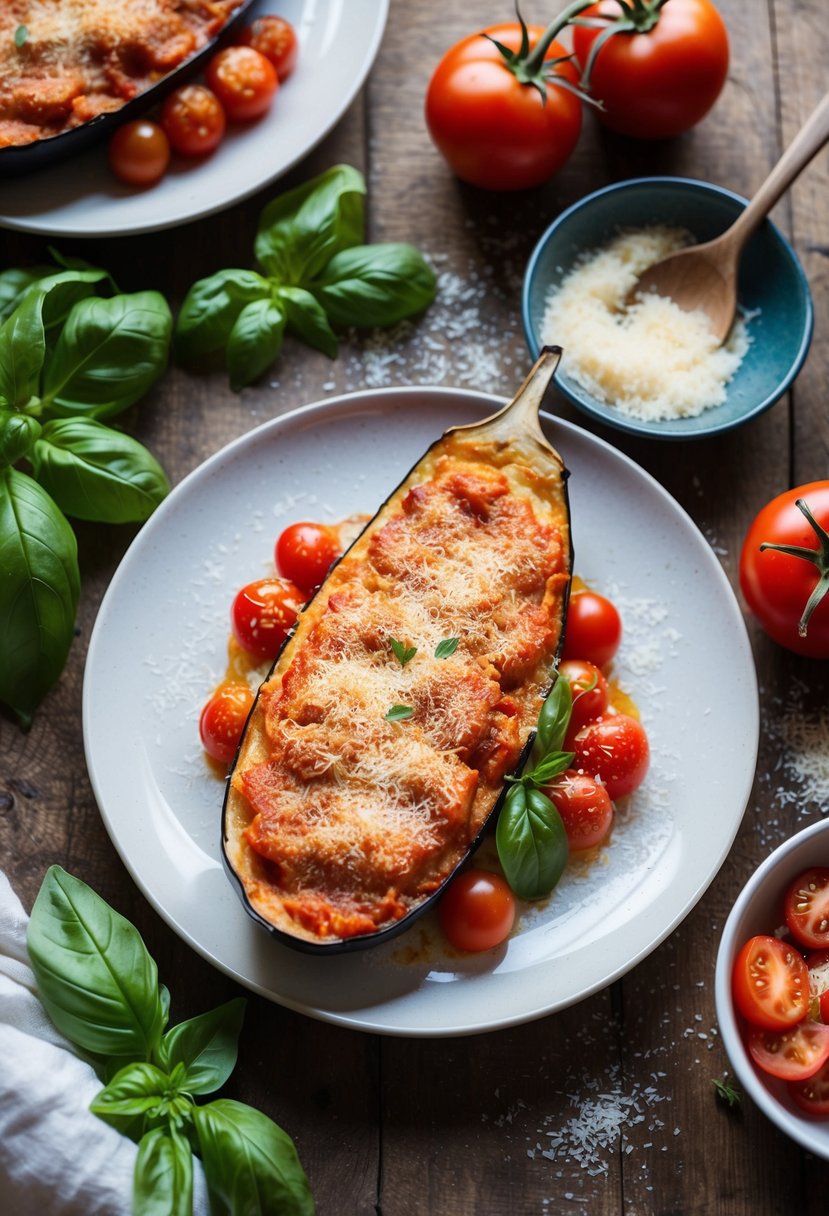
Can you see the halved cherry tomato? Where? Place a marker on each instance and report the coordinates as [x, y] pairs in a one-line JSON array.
[[304, 552], [193, 119], [818, 965], [584, 806], [614, 749], [806, 908], [589, 691], [478, 910], [770, 983], [139, 152], [262, 613], [594, 628], [276, 39], [812, 1095], [223, 720], [244, 82], [792, 1055]]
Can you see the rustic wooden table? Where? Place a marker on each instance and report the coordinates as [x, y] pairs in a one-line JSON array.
[[456, 1126]]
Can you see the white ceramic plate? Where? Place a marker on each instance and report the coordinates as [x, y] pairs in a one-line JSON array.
[[339, 40], [159, 647]]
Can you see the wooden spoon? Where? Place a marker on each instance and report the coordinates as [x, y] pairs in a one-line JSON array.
[[705, 276]]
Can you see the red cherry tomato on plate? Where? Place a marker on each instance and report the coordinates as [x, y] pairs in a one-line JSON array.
[[477, 911], [791, 1055], [139, 153], [193, 119], [770, 983], [223, 720], [614, 749], [262, 613], [244, 82], [584, 806], [305, 551], [589, 691], [806, 908], [276, 39], [812, 1095], [594, 628]]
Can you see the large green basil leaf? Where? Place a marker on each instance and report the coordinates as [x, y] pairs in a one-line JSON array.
[[206, 1046], [250, 1164], [96, 979], [94, 472], [108, 355], [18, 432], [136, 1089], [163, 1176], [554, 718], [375, 285], [22, 351], [14, 284], [254, 342], [39, 588], [532, 843], [299, 231], [307, 319], [62, 290], [210, 309]]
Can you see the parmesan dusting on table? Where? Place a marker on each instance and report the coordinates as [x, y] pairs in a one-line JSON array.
[[650, 360]]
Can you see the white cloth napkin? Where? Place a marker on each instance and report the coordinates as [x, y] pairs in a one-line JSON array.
[[56, 1158]]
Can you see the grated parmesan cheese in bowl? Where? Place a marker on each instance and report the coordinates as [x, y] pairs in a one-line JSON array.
[[650, 360]]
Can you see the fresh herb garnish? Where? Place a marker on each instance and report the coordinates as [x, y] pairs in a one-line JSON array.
[[399, 713], [728, 1092], [99, 985], [20, 36], [402, 652], [447, 647]]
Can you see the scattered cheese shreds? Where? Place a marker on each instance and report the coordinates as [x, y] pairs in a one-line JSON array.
[[650, 360]]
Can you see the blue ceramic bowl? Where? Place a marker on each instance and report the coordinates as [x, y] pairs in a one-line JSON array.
[[771, 280]]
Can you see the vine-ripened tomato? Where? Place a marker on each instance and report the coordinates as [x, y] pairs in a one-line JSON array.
[[494, 131], [662, 81], [304, 552], [584, 806], [276, 39], [244, 82], [593, 630], [262, 613], [778, 586], [477, 911], [589, 691], [770, 983], [223, 720], [791, 1055], [615, 750], [139, 152], [806, 908], [194, 120], [812, 1095]]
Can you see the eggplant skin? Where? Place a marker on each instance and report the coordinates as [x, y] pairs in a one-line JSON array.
[[374, 593]]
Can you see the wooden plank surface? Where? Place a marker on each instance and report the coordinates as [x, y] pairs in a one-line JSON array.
[[498, 1123]]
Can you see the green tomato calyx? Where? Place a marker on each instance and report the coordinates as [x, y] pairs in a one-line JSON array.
[[819, 558]]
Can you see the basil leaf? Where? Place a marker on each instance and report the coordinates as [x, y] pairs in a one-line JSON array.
[[22, 350], [94, 472], [15, 283], [254, 342], [399, 713], [109, 353], [18, 433], [95, 977], [531, 842], [447, 648], [163, 1177], [554, 718], [136, 1089], [210, 309], [39, 591], [206, 1046], [307, 319], [404, 654], [62, 291], [250, 1164], [301, 230], [375, 285], [552, 764]]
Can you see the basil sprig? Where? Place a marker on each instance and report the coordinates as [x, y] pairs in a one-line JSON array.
[[530, 837], [316, 272], [100, 987], [70, 360]]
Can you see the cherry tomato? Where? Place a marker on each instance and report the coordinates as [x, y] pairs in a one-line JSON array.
[[223, 720], [770, 983], [818, 965], [656, 83], [615, 750], [590, 693], [584, 806], [812, 1095], [478, 910], [792, 1055], [494, 131], [193, 119], [139, 152], [777, 586], [262, 613], [594, 628], [304, 553], [806, 908], [244, 82], [276, 39]]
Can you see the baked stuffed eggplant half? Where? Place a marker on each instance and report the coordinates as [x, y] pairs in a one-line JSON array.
[[377, 749]]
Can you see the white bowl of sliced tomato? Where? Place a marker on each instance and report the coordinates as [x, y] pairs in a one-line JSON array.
[[772, 987]]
